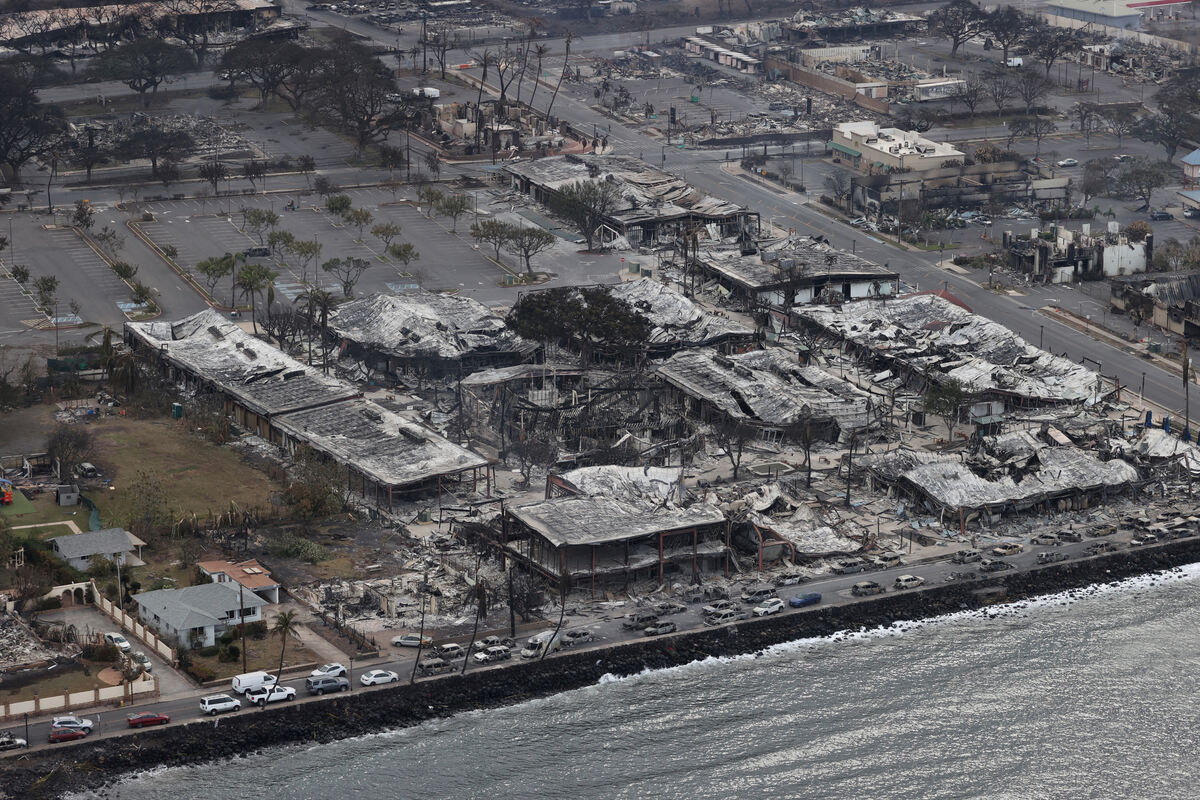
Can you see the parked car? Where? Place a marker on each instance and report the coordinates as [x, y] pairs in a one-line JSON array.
[[666, 609], [757, 594], [1191, 212], [1122, 157], [790, 579], [718, 606], [806, 599], [1068, 162], [1143, 538], [638, 620], [257, 252], [494, 641], [849, 565], [493, 654], [325, 683], [577, 637], [1095, 548], [1007, 549], [865, 588], [1070, 536], [722, 617], [66, 734], [333, 670], [434, 666], [772, 605], [142, 661], [451, 651], [72, 722], [218, 703], [966, 556], [411, 640], [10, 742], [118, 641], [994, 565], [660, 628], [270, 694], [253, 680], [908, 582], [1050, 556], [1161, 216], [378, 676], [1047, 538], [887, 560], [147, 718]]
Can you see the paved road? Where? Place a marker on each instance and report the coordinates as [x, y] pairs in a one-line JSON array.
[[834, 590]]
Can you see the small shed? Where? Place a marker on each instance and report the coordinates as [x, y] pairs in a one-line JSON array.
[[67, 495]]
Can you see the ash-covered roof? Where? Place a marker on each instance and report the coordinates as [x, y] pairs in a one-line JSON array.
[[260, 376], [600, 520], [647, 192], [426, 325], [937, 337], [677, 321], [800, 260], [498, 375], [765, 386], [382, 445], [637, 483]]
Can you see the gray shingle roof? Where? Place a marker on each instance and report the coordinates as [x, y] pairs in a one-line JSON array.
[[105, 542], [196, 606]]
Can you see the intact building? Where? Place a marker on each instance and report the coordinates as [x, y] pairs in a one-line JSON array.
[[868, 145]]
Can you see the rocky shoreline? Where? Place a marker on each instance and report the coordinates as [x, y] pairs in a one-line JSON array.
[[93, 764]]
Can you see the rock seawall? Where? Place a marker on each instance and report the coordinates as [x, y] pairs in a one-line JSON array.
[[91, 764]]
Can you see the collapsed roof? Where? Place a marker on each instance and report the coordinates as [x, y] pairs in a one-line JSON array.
[[937, 338], [677, 321], [798, 260], [793, 520], [580, 520], [261, 377], [767, 387], [637, 483], [425, 324]]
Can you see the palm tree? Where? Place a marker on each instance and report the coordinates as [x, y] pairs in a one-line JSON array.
[[566, 61], [317, 304], [477, 594], [251, 281], [421, 634], [285, 625], [564, 583], [539, 50]]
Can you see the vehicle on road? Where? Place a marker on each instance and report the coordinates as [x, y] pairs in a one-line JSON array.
[[806, 599], [718, 606], [1161, 216], [147, 718], [666, 609], [866, 588], [756, 594], [966, 556], [994, 565], [771, 606], [66, 734], [1143, 538], [578, 637], [411, 640], [1050, 556], [887, 560], [434, 666], [908, 582], [638, 620], [542, 644], [1123, 157], [72, 722], [1095, 548], [10, 742], [1046, 539], [218, 703], [141, 661], [790, 579], [1007, 549], [325, 683], [1070, 536], [378, 676], [118, 641], [660, 628], [493, 654], [722, 617], [253, 680], [494, 641], [849, 566], [451, 651], [270, 694], [333, 670], [1068, 162]]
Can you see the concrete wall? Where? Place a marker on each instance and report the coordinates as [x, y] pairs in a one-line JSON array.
[[79, 700], [797, 73], [1124, 259], [1121, 33]]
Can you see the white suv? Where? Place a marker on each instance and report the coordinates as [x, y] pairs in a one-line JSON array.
[[72, 722], [217, 703]]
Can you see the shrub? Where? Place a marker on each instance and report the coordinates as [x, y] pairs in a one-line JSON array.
[[201, 672], [229, 654], [222, 92], [102, 653], [208, 652], [48, 603], [289, 545], [256, 630]]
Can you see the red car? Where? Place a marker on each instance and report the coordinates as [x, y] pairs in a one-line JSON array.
[[66, 734], [148, 718]]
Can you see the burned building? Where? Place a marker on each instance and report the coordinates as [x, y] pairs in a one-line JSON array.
[[768, 390], [848, 24], [426, 333], [678, 322], [653, 205], [1170, 302], [295, 407], [626, 533], [791, 271], [1071, 256], [926, 338]]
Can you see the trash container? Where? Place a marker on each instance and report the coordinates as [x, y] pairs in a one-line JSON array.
[[176, 411]]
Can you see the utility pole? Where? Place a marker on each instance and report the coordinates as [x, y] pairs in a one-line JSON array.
[[849, 469], [242, 622]]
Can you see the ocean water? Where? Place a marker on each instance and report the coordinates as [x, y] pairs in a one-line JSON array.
[[1091, 694]]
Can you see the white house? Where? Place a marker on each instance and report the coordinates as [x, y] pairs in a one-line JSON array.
[[115, 544], [250, 574], [196, 615]]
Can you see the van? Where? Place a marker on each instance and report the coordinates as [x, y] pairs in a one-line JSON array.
[[638, 620], [758, 593], [1015, 61], [253, 680], [537, 645], [427, 91]]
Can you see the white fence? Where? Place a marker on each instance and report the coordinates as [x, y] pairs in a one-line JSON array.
[[130, 623], [147, 685]]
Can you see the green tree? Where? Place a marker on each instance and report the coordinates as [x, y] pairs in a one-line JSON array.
[[305, 253], [404, 252], [385, 232], [252, 281], [284, 625], [588, 319], [338, 204], [453, 206], [46, 289], [280, 241], [347, 271], [155, 144], [1141, 177], [359, 218], [528, 241], [147, 504], [213, 270], [492, 232], [213, 172], [84, 216], [429, 196], [586, 205], [1006, 26], [1138, 230], [945, 399], [143, 65], [259, 220]]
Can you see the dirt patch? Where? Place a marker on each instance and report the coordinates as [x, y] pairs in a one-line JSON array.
[[110, 676], [27, 429]]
